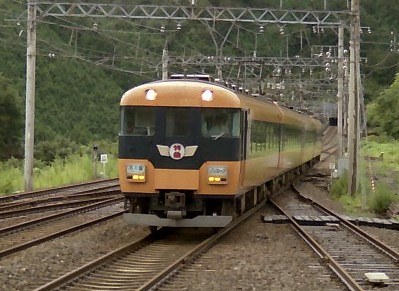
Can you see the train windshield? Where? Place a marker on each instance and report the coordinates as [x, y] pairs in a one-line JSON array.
[[180, 121], [138, 121], [177, 122], [216, 122]]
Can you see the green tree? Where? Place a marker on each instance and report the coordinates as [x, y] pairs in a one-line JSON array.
[[383, 113], [78, 90], [11, 124]]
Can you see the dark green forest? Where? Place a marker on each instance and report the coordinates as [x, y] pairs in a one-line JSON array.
[[84, 65]]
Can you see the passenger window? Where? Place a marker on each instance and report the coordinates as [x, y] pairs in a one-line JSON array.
[[138, 121]]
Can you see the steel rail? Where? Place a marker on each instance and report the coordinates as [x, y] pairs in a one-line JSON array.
[[12, 213], [30, 194], [191, 255], [358, 231], [171, 269], [322, 253], [98, 262], [60, 233], [62, 214], [63, 197]]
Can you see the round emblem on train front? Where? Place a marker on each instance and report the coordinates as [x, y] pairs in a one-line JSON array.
[[176, 151]]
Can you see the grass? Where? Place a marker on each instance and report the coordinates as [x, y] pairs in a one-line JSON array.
[[374, 148], [73, 169], [369, 202], [353, 205], [11, 176], [363, 203]]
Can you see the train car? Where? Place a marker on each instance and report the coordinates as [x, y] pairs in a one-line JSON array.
[[193, 153]]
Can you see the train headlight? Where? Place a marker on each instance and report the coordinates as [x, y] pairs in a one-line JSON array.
[[207, 95], [136, 173], [150, 94], [217, 175]]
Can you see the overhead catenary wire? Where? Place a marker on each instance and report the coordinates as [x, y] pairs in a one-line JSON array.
[[101, 32]]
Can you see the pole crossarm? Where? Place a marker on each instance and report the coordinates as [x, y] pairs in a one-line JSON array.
[[202, 60], [225, 14], [312, 82]]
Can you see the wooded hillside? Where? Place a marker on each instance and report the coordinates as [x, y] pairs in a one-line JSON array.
[[85, 64]]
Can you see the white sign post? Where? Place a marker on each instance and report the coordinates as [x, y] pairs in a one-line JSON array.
[[103, 160]]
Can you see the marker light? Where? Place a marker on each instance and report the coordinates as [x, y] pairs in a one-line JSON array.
[[150, 94], [135, 172], [217, 175], [207, 95]]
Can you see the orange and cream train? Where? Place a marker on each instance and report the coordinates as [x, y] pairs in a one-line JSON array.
[[195, 153]]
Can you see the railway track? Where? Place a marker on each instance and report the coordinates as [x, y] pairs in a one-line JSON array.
[[41, 201], [21, 236], [56, 201], [145, 263], [64, 190], [345, 248], [31, 218]]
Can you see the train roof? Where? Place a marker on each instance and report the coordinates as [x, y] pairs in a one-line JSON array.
[[188, 89], [201, 77], [181, 92]]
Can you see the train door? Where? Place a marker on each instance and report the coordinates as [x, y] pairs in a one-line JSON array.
[[245, 142], [245, 134]]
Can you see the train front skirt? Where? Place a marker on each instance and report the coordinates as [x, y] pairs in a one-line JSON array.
[[198, 221]]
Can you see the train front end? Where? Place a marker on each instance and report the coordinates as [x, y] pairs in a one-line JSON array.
[[178, 166]]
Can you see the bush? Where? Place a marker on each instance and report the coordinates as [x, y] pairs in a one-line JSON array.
[[48, 151], [381, 199], [11, 176], [339, 187]]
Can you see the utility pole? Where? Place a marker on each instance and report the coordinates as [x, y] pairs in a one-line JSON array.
[[354, 97], [165, 59], [340, 89], [30, 95]]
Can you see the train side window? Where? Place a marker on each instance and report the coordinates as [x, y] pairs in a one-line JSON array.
[[276, 135], [255, 134], [138, 121], [264, 135], [268, 135]]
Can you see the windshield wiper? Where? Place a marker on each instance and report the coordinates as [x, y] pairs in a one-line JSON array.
[[215, 137]]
